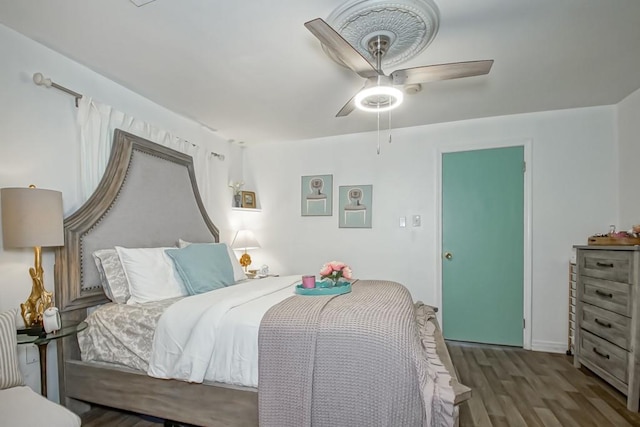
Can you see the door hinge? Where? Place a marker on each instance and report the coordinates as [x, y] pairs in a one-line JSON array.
[[524, 167], [524, 324]]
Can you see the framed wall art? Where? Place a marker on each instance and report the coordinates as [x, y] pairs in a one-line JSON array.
[[316, 195], [355, 206], [248, 199]]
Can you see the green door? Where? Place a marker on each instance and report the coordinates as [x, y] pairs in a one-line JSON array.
[[483, 230]]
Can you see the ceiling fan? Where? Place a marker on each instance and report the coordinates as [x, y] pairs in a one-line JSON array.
[[379, 92]]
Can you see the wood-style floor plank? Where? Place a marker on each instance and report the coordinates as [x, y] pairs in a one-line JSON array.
[[535, 389], [510, 387], [100, 417]]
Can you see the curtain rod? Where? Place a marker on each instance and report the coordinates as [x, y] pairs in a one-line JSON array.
[[40, 80]]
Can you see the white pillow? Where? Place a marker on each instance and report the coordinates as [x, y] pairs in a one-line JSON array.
[[238, 271], [151, 274], [112, 276]]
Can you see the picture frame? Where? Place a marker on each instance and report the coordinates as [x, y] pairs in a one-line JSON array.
[[355, 206], [316, 195], [248, 199]]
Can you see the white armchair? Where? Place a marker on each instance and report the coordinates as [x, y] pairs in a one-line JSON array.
[[19, 405]]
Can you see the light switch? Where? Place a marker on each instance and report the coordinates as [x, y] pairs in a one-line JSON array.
[[416, 221], [403, 221]]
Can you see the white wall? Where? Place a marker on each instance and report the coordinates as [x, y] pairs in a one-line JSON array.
[[573, 196], [629, 140], [39, 145]]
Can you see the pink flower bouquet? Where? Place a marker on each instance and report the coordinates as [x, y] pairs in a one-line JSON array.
[[334, 270]]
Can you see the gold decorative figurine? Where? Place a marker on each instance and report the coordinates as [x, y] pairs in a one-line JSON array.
[[40, 299]]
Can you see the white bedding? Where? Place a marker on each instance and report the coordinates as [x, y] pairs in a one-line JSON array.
[[214, 336]]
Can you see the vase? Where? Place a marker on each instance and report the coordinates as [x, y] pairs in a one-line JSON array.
[[237, 199], [330, 283]]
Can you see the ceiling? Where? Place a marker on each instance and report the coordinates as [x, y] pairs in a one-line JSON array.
[[250, 70]]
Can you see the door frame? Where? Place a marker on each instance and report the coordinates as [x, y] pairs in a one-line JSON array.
[[527, 232]]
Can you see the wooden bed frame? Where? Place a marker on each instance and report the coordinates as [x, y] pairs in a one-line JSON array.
[[148, 197]]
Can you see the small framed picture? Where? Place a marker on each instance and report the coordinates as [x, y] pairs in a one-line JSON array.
[[317, 195], [248, 199], [355, 206]]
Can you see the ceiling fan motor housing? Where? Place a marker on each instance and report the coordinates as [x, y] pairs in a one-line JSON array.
[[407, 27]]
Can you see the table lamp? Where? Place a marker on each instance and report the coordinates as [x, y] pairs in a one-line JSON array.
[[32, 217], [245, 240]]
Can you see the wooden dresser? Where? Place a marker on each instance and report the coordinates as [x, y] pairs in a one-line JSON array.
[[607, 337]]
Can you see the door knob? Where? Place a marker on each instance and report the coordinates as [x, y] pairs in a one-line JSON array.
[[448, 255]]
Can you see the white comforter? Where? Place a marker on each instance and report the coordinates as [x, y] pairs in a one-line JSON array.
[[214, 336]]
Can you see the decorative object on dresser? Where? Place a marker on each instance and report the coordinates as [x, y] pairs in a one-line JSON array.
[[607, 333], [32, 217], [244, 241], [619, 238]]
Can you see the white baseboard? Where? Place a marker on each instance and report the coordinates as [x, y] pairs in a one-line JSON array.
[[549, 346]]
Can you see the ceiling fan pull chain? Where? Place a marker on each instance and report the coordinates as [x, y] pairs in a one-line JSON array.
[[389, 125], [378, 132]]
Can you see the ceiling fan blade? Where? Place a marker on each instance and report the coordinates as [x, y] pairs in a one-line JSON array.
[[347, 53], [432, 73], [348, 107]]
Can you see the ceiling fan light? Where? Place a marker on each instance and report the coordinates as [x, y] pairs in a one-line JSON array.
[[378, 99]]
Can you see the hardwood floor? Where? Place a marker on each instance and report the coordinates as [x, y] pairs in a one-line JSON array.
[[99, 417], [511, 387], [515, 387]]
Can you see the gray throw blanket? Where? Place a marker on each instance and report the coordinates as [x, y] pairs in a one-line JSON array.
[[348, 360]]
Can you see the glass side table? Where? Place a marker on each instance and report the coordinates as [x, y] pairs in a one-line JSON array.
[[43, 341]]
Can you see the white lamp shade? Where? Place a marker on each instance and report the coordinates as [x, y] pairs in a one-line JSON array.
[[245, 240], [31, 217]]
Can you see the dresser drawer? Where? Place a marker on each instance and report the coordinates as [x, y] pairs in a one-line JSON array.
[[606, 324], [608, 265], [603, 354], [612, 296]]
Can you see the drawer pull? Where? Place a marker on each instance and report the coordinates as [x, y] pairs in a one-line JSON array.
[[604, 264], [595, 350], [601, 323], [603, 294]]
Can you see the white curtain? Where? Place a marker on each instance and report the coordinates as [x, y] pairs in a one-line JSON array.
[[97, 123]]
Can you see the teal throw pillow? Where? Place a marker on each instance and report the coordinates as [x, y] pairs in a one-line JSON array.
[[203, 267]]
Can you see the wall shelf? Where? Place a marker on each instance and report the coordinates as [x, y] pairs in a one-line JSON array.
[[246, 209]]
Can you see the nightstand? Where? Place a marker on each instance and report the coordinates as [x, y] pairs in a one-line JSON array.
[[43, 341]]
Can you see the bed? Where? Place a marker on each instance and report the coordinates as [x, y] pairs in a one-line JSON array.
[[149, 198]]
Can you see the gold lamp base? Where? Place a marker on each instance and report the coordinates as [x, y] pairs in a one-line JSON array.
[[245, 261], [39, 299]]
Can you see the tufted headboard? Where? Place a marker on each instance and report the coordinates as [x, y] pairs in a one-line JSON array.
[[148, 197]]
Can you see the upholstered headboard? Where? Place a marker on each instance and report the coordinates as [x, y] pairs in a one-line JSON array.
[[148, 197]]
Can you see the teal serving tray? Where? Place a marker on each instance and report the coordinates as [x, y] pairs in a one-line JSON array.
[[322, 289]]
